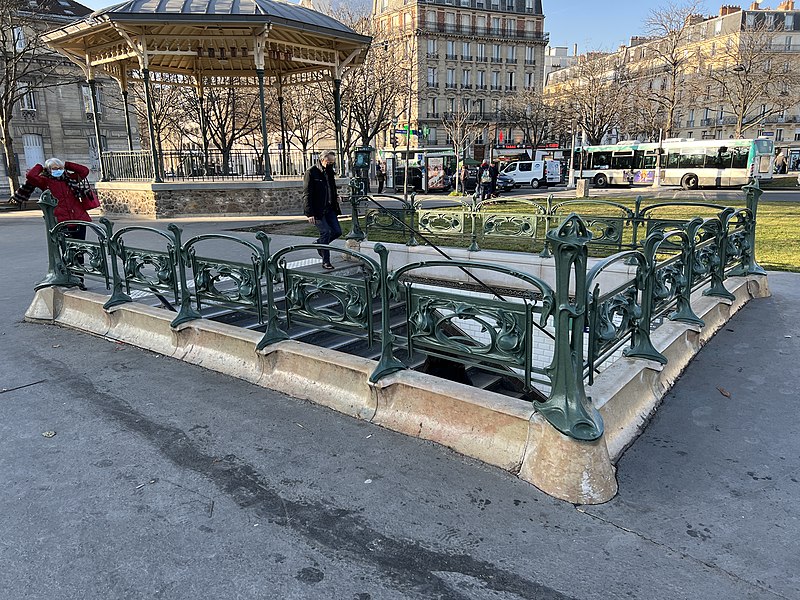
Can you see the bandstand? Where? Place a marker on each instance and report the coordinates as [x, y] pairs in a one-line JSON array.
[[274, 44]]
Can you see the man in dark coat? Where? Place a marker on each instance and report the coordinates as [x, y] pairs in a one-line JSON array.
[[321, 203]]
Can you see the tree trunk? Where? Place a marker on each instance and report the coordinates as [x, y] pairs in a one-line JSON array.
[[12, 169]]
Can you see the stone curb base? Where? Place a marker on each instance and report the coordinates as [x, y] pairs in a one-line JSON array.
[[495, 429]]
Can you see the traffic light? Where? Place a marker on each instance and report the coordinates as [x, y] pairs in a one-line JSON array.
[[394, 140]]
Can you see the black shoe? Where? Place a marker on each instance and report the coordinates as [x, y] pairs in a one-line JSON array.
[[328, 266]]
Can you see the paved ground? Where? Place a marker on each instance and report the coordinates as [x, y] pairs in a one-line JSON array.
[[164, 480]]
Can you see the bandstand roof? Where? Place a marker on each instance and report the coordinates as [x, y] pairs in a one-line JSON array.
[[210, 38]]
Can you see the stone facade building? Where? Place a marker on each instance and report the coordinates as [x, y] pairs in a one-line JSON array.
[[56, 119], [711, 48], [468, 53]]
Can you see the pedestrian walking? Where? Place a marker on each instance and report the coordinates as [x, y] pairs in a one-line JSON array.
[[780, 163], [463, 175], [63, 180], [494, 170], [484, 180], [380, 175], [321, 203]]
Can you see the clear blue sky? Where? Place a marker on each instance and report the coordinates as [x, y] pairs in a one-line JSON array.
[[599, 25], [592, 24]]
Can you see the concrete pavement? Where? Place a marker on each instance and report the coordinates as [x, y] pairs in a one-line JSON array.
[[164, 480]]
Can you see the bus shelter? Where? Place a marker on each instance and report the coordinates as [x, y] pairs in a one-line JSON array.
[[268, 40]]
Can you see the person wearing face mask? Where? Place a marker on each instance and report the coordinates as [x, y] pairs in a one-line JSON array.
[[62, 178], [321, 203]]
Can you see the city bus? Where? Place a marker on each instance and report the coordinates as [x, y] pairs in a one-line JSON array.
[[687, 163]]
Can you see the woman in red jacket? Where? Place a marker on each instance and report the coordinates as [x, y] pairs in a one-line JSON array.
[[62, 180]]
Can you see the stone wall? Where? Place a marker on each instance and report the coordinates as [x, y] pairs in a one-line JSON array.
[[170, 200]]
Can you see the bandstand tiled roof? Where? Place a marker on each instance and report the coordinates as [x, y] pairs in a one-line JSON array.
[[216, 38]]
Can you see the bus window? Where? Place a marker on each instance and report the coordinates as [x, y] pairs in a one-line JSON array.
[[764, 146], [637, 159], [600, 160], [695, 160], [649, 161], [622, 162], [673, 159], [720, 160], [740, 156]]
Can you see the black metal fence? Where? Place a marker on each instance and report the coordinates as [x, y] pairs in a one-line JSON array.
[[205, 165]]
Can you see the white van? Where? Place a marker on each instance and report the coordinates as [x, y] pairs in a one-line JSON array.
[[535, 173]]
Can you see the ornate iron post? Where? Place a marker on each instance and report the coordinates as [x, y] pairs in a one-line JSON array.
[[118, 295], [720, 228], [273, 333], [749, 266], [388, 363], [567, 408], [187, 311], [641, 344], [684, 311], [57, 271], [359, 183]]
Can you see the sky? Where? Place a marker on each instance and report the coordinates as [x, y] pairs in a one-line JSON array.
[[592, 24]]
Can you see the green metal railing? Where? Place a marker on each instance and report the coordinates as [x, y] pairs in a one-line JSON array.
[[579, 321]]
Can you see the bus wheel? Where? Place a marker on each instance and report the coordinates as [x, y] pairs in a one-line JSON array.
[[600, 181], [689, 181], [535, 183]]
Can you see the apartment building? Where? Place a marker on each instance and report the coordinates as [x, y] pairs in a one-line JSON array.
[[558, 57], [712, 44], [473, 54]]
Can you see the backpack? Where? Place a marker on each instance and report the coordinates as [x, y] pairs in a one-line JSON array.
[[486, 176]]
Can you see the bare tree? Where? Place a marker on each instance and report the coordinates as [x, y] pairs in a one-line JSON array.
[[461, 126], [527, 110], [598, 94], [26, 65], [752, 77], [667, 70]]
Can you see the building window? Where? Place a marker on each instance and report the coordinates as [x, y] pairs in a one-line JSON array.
[[481, 81], [510, 80], [465, 78], [481, 52], [530, 80], [431, 48], [750, 20], [27, 97], [451, 49], [86, 93], [530, 55], [466, 51], [432, 77], [528, 6], [432, 135], [431, 18], [512, 54], [779, 135], [495, 80], [718, 27], [788, 21], [496, 25], [451, 78], [496, 53], [19, 38], [466, 24]]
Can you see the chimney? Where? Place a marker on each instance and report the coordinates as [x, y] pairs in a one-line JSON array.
[[755, 5], [727, 9], [787, 5]]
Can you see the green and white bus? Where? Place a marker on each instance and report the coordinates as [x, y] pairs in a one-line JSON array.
[[688, 163]]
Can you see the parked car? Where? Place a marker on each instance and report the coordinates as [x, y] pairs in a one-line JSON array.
[[505, 183], [535, 173]]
